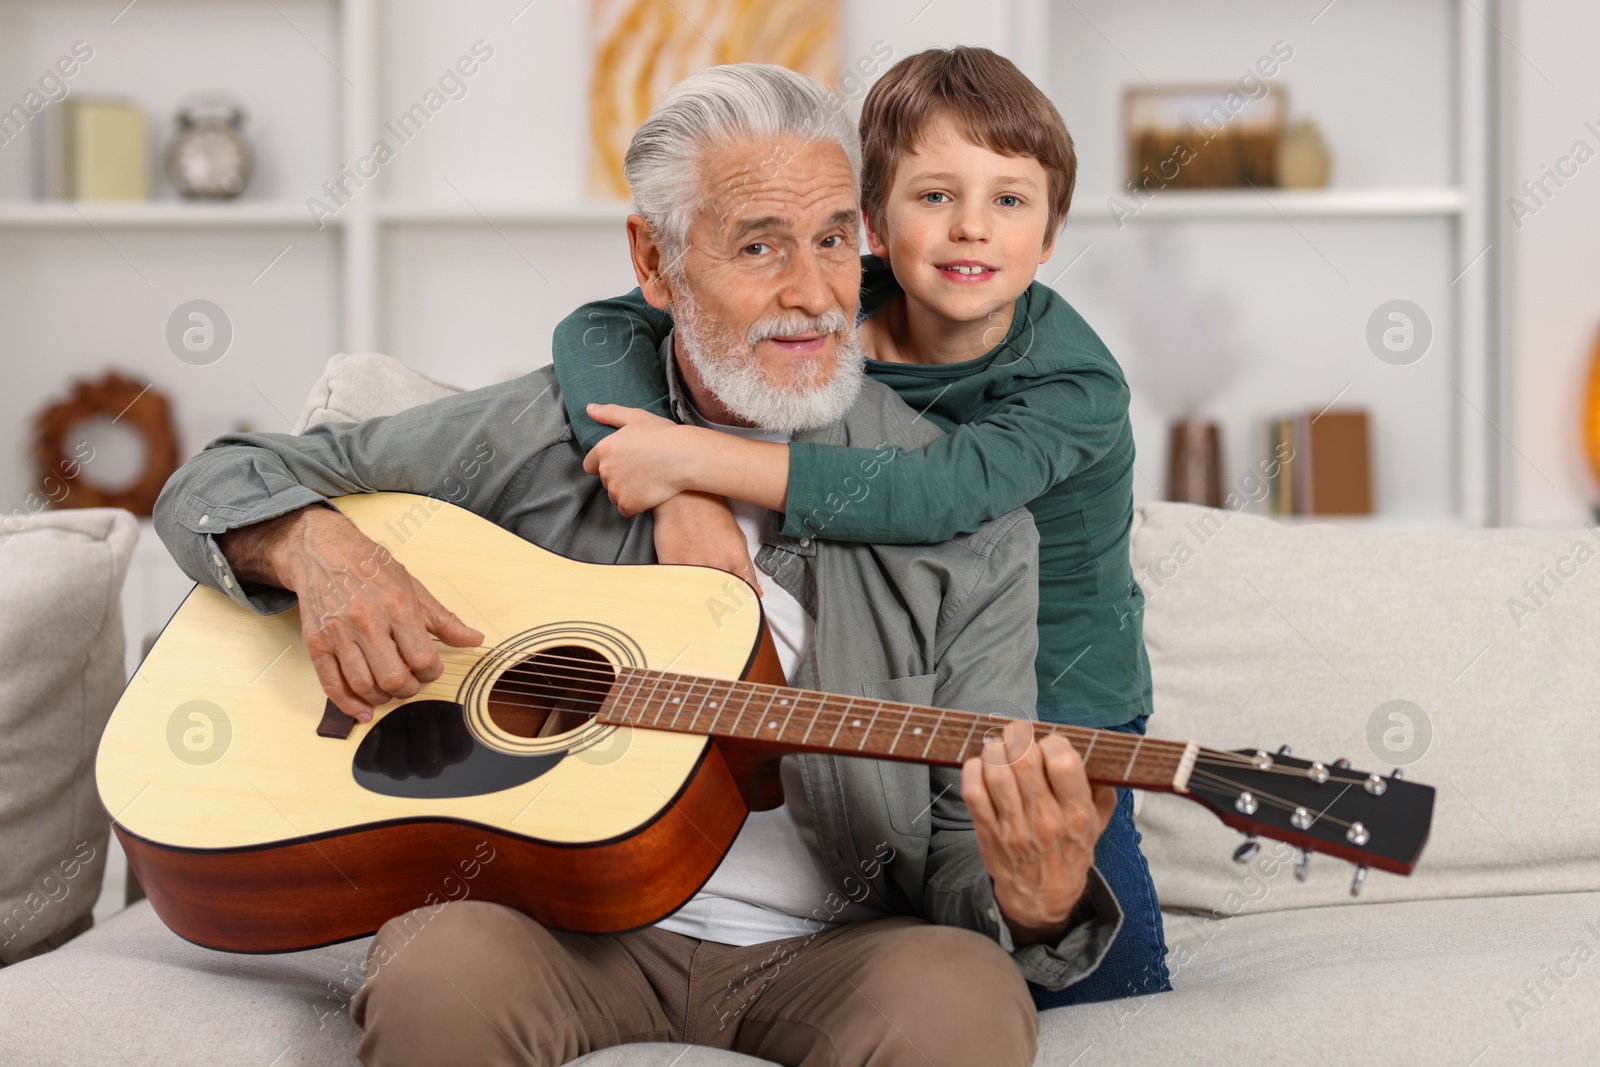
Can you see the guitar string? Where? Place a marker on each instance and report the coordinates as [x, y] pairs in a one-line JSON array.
[[916, 713], [597, 672], [579, 669], [1207, 756], [612, 677]]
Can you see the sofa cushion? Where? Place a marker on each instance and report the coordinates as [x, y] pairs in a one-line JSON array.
[[1264, 947], [61, 575], [1486, 982], [1432, 649], [357, 386], [132, 991]]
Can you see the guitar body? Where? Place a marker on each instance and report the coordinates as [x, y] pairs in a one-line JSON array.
[[252, 832]]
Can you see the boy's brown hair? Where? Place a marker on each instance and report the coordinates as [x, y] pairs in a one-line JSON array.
[[989, 100]]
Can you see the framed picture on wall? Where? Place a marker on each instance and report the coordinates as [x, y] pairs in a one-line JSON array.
[[1202, 136]]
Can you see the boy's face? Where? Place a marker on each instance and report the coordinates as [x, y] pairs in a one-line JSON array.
[[953, 203]]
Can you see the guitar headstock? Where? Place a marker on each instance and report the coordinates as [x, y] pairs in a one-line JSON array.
[[1371, 820]]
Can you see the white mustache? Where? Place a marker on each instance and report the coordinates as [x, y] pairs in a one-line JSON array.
[[795, 323]]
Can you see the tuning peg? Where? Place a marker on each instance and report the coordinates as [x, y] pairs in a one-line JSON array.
[[1358, 881], [1250, 847], [1397, 774], [1283, 750], [1302, 866], [1341, 764]]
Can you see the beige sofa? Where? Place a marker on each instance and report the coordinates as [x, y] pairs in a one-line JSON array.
[[1425, 649]]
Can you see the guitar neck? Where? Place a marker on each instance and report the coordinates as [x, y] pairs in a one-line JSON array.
[[804, 720]]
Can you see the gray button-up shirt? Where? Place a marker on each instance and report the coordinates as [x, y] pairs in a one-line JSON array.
[[949, 624]]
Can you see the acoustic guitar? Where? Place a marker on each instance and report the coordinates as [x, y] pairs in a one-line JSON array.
[[590, 765]]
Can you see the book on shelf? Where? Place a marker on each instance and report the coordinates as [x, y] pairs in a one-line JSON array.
[[1324, 464], [92, 148]]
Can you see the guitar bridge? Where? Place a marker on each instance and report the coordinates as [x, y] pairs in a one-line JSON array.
[[335, 723]]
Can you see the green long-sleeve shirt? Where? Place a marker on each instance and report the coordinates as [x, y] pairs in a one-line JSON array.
[[1041, 420]]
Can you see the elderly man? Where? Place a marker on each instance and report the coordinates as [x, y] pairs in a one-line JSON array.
[[887, 913]]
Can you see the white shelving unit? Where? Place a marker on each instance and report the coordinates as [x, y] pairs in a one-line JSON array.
[[1295, 204], [1411, 209], [421, 212], [43, 214], [466, 250]]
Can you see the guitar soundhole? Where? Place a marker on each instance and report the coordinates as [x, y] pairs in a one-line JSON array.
[[554, 691]]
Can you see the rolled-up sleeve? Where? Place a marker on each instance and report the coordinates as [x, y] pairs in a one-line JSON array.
[[466, 449]]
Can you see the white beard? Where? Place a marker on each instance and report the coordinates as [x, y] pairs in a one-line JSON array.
[[729, 367]]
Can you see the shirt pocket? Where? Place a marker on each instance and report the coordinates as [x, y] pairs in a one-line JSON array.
[[905, 785]]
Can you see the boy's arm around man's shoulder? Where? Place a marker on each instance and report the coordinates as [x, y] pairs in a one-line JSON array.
[[606, 352], [1057, 404]]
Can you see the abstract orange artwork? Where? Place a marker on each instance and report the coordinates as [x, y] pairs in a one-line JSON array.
[[643, 47]]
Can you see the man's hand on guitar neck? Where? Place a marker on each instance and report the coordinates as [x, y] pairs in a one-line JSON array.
[[366, 622], [1037, 821]]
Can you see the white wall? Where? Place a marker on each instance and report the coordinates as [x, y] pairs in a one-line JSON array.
[[1552, 83]]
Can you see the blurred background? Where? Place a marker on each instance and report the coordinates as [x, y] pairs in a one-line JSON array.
[[1389, 249]]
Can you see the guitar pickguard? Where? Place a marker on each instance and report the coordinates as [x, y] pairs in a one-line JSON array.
[[424, 749]]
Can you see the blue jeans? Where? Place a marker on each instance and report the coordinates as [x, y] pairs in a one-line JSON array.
[[1136, 962]]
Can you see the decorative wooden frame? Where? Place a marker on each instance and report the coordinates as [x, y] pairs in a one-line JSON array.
[[1264, 116], [120, 398]]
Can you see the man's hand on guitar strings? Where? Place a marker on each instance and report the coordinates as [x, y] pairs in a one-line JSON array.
[[1037, 821], [366, 622]]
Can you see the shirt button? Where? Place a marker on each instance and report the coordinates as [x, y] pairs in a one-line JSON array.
[[216, 559], [994, 915], [227, 583], [204, 519], [805, 542]]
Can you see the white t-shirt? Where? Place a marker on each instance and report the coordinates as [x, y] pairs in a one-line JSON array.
[[771, 884]]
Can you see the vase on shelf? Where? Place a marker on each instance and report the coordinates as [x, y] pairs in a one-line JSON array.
[[1303, 158], [1194, 465]]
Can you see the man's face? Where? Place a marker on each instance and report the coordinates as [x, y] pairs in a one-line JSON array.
[[765, 301]]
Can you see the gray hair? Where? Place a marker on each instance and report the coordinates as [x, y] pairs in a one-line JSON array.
[[713, 108]]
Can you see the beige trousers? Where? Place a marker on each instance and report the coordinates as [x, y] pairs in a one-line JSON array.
[[476, 983]]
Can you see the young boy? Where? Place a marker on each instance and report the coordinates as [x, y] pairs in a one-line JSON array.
[[967, 174]]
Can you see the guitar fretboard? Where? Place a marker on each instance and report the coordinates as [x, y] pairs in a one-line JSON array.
[[806, 720]]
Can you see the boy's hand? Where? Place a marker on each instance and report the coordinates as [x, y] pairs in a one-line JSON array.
[[700, 529], [643, 463]]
